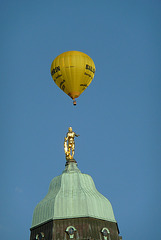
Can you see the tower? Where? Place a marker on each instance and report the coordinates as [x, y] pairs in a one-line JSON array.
[[73, 208]]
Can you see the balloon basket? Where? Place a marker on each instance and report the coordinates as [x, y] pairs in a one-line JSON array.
[[74, 102]]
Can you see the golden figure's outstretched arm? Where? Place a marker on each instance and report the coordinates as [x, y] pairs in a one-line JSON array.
[[77, 135]]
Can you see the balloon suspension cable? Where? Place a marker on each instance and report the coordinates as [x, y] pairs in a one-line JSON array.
[[74, 102]]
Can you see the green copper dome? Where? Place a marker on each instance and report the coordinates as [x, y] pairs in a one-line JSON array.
[[72, 195]]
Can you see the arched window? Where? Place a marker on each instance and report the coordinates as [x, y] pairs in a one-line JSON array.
[[70, 230], [106, 233], [40, 236]]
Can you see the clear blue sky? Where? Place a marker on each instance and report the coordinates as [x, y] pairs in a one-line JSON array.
[[118, 117]]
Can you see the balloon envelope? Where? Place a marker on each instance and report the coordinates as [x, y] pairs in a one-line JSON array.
[[72, 72]]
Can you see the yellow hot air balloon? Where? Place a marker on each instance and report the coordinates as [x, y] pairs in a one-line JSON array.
[[73, 71]]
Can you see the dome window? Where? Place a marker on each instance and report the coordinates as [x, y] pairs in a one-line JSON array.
[[106, 233], [70, 230]]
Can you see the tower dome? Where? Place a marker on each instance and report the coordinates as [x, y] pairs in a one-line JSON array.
[[72, 195]]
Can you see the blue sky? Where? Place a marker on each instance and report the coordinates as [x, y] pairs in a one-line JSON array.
[[118, 117]]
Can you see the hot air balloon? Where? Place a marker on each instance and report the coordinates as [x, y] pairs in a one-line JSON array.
[[72, 72]]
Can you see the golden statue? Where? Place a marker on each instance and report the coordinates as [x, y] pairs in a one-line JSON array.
[[69, 144]]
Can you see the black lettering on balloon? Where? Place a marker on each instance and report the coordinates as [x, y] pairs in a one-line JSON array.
[[84, 86], [88, 75], [90, 68], [58, 76], [54, 70], [62, 86]]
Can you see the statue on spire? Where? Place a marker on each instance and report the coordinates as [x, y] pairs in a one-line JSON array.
[[69, 144]]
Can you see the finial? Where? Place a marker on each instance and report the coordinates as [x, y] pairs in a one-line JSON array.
[[69, 144]]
